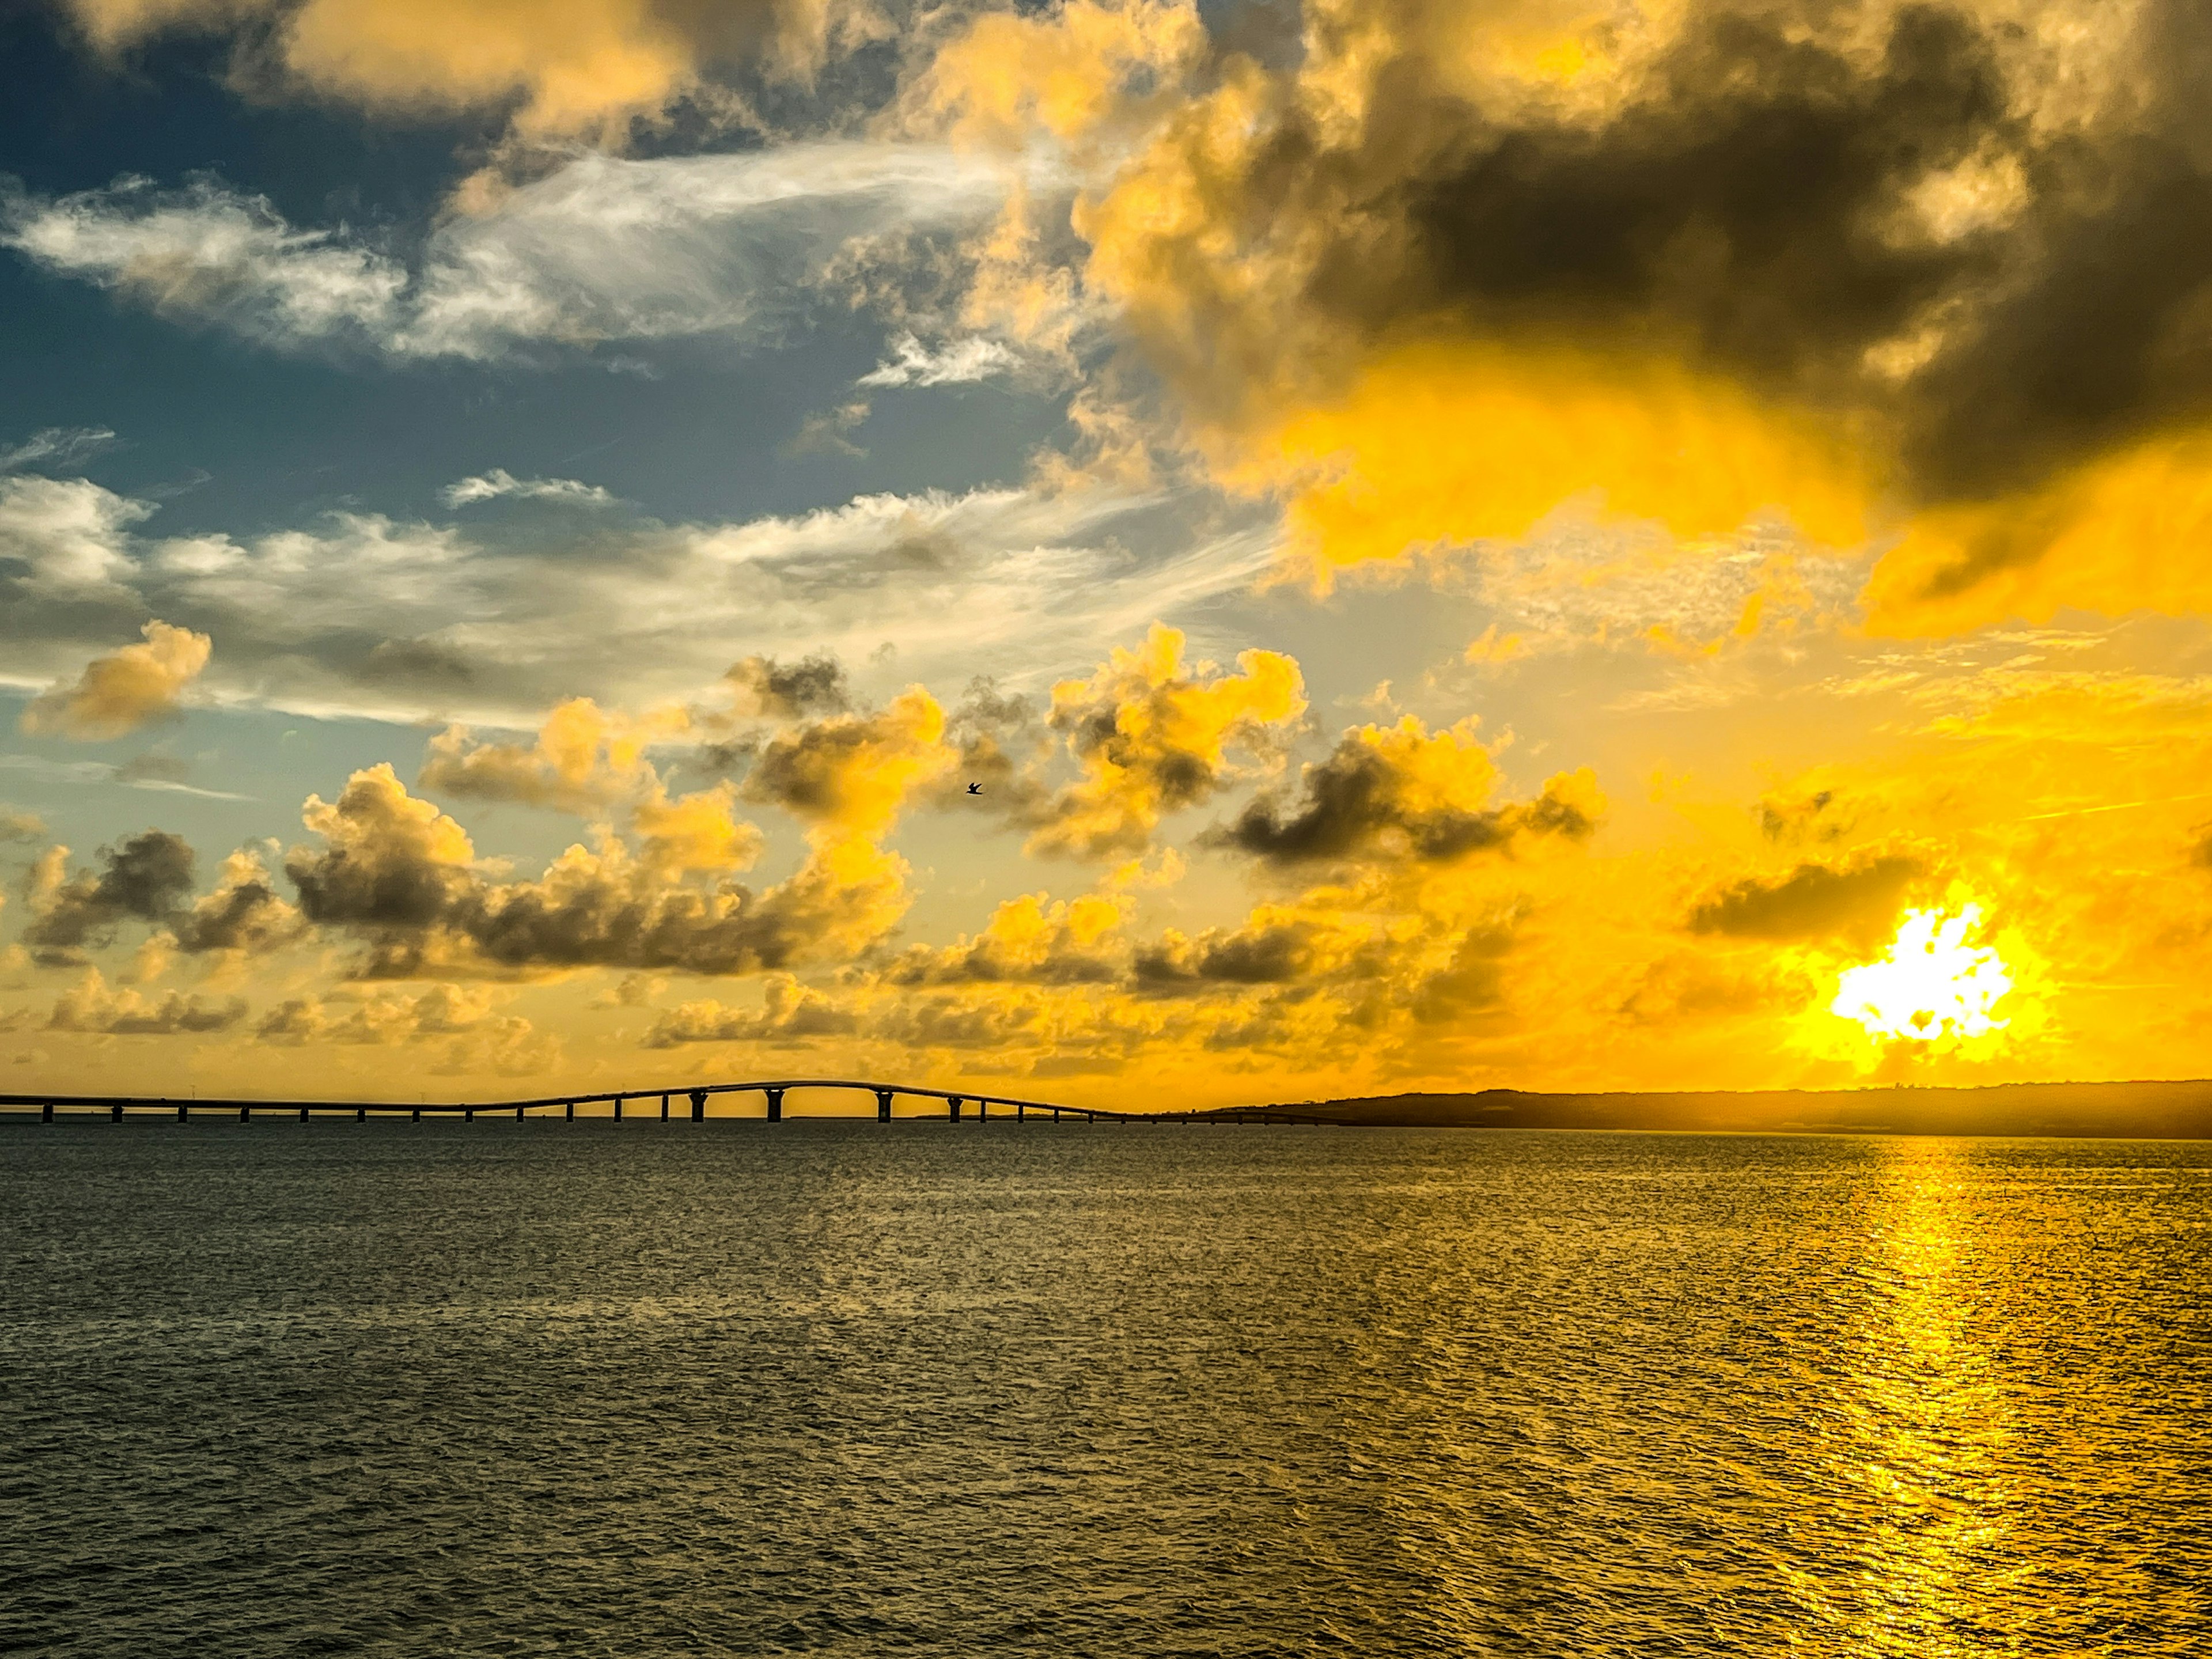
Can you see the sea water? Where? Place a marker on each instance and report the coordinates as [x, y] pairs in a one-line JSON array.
[[843, 1389]]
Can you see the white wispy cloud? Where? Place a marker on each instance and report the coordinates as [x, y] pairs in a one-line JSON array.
[[492, 485], [65, 537], [59, 446], [975, 358], [604, 249], [359, 613], [38, 766]]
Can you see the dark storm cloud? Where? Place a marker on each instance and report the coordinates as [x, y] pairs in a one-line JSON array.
[[148, 879], [812, 685], [143, 879], [1358, 802], [1746, 202], [1269, 955], [1813, 901]]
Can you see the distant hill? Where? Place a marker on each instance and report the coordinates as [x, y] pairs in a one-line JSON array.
[[2176, 1111]]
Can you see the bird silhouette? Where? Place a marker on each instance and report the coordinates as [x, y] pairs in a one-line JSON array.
[[975, 788]]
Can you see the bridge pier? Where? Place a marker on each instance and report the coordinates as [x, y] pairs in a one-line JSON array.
[[303, 1114], [46, 1113], [664, 1108], [361, 1113], [983, 1109], [245, 1113], [115, 1112], [570, 1114], [518, 1114], [183, 1111], [952, 1105], [469, 1115], [414, 1116], [774, 1104], [1021, 1113], [698, 1105], [618, 1100], [882, 1105]]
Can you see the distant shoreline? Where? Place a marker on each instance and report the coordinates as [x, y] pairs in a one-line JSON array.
[[2129, 1111]]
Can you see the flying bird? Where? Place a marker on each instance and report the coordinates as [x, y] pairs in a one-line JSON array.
[[975, 788]]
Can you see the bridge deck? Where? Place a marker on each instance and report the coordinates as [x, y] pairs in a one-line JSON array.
[[773, 1089]]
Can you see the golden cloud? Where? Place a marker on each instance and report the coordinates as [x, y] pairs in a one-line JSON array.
[[565, 67], [1152, 738], [122, 691]]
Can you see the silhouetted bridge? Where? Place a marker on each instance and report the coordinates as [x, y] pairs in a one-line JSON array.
[[118, 1107]]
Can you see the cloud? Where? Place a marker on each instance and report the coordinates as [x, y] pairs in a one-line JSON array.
[[360, 613], [958, 363], [583, 759], [499, 482], [813, 684], [790, 1016], [1433, 271], [16, 825], [1859, 900], [243, 913], [405, 878], [1404, 792], [1152, 738], [143, 878], [380, 1018], [92, 1006], [849, 775], [562, 68], [65, 541], [122, 691], [1028, 940], [63, 446], [602, 249]]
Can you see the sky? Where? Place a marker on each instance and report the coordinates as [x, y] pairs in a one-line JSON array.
[[1138, 554]]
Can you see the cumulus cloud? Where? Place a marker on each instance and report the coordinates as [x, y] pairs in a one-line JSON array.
[[583, 758], [94, 1006], [143, 878], [790, 1016], [243, 912], [404, 877], [1858, 900], [122, 691], [1402, 791], [1152, 737], [813, 684], [1696, 264], [958, 363], [17, 825], [850, 774], [603, 249], [148, 879], [1029, 940], [380, 1018]]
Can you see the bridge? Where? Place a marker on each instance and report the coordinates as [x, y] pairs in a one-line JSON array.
[[695, 1095]]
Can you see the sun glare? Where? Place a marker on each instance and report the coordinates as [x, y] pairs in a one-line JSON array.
[[1930, 986]]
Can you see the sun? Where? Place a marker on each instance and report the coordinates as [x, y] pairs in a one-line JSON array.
[[1930, 987]]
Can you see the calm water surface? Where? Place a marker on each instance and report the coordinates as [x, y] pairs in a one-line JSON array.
[[838, 1388]]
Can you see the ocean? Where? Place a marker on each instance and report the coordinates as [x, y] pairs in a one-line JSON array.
[[843, 1389]]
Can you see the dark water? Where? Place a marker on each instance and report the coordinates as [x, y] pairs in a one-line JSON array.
[[584, 1389]]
